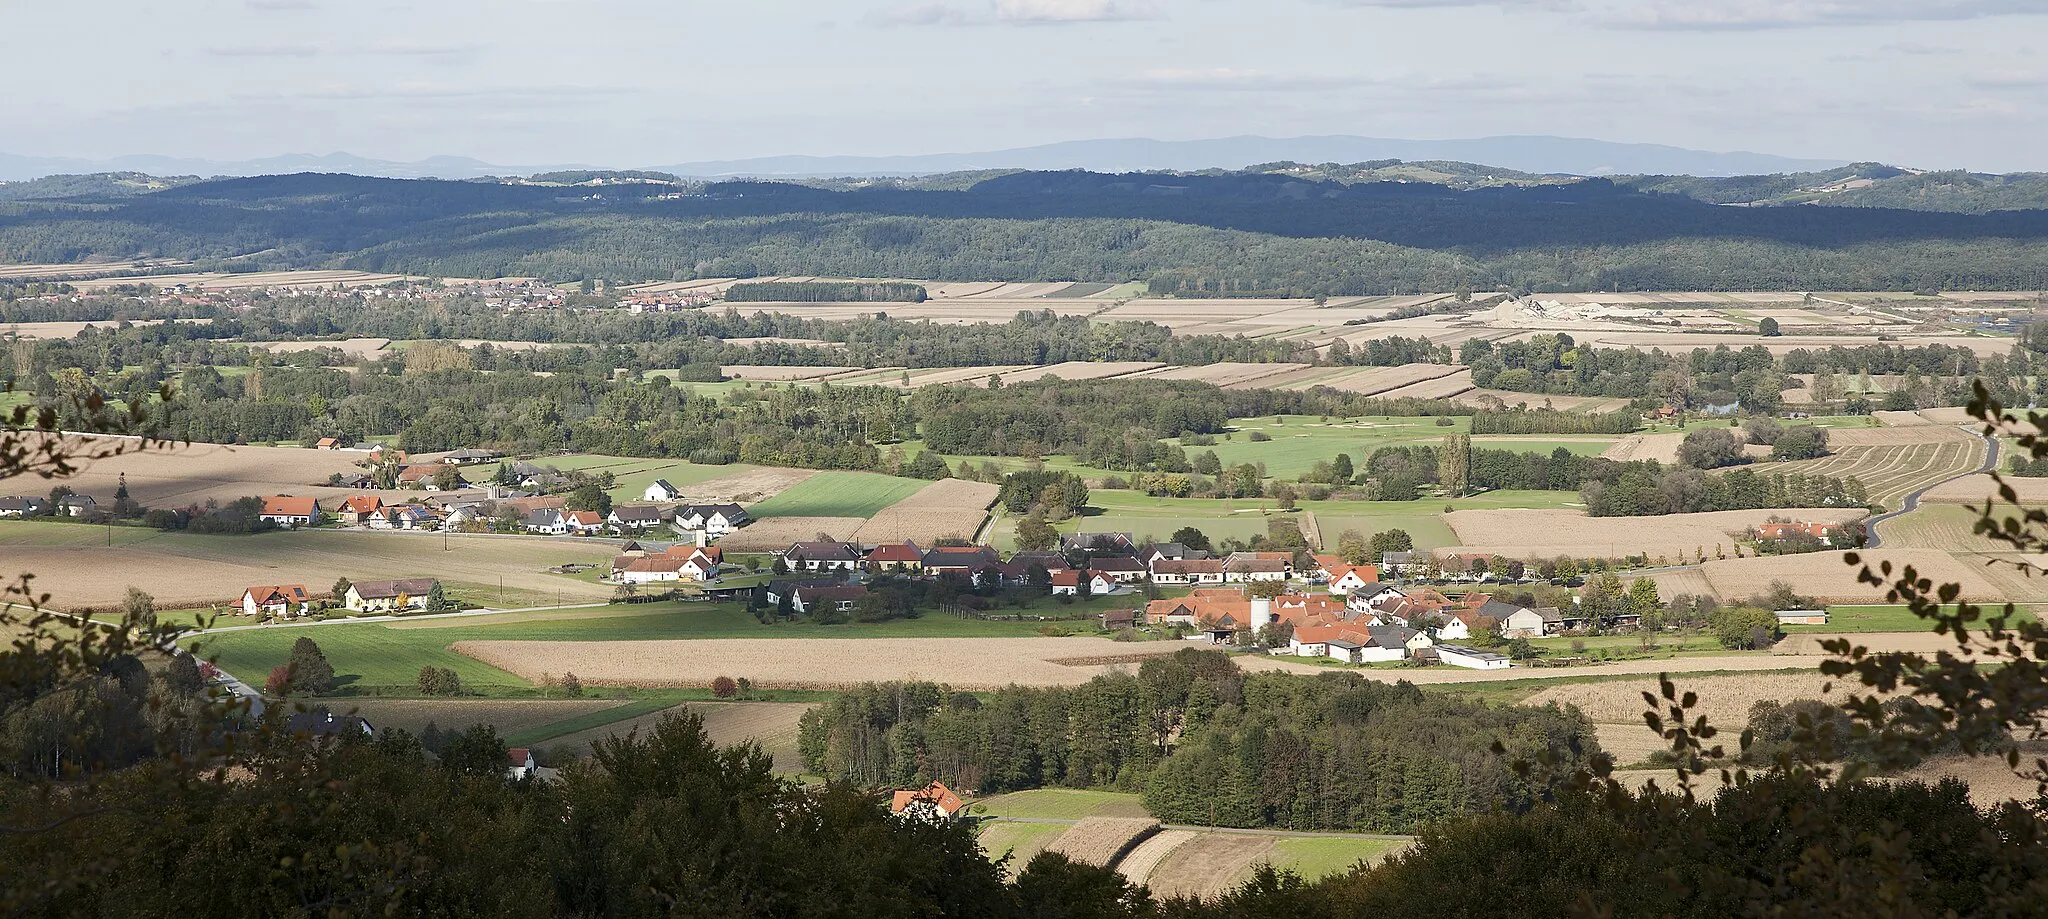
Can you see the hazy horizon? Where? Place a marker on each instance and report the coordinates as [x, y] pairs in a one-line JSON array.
[[1936, 84]]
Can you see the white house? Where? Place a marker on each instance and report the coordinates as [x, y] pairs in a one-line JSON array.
[[519, 763], [583, 523], [1066, 583], [1346, 580], [821, 556], [635, 517], [22, 506], [1100, 582], [389, 596], [276, 600], [1345, 643], [713, 520], [76, 505], [1473, 658], [661, 490], [547, 521]]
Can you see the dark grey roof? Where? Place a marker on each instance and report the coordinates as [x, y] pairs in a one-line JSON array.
[[1115, 563], [1495, 609], [646, 513], [1390, 636], [822, 551], [384, 590]]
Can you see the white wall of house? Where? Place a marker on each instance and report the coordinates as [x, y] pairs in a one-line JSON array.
[[1474, 663], [1454, 630], [1378, 655]]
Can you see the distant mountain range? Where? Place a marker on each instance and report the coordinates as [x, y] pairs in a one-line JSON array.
[[1532, 154]]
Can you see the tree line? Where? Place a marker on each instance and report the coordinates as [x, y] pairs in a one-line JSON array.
[[1207, 744]]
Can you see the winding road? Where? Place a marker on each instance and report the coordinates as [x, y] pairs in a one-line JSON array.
[[1911, 501]]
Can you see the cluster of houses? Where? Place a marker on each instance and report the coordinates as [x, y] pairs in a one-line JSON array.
[[286, 601], [20, 506]]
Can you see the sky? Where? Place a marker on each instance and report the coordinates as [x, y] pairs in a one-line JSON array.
[[622, 83]]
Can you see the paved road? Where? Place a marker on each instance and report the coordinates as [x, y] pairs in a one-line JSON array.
[[1218, 829], [1912, 499]]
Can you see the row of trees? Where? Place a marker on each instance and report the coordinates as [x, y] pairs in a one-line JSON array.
[[1207, 743]]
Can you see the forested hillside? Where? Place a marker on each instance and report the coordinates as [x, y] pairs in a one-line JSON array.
[[1244, 234]]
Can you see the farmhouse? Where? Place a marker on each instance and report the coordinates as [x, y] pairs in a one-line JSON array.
[[1367, 645], [547, 521], [901, 557], [966, 562], [519, 763], [837, 598], [404, 517], [636, 517], [23, 506], [76, 505], [389, 596], [1345, 579], [1120, 569], [1066, 583], [583, 523], [1113, 619], [1187, 571], [1538, 623], [1775, 531], [679, 563], [290, 512], [1243, 567], [661, 490], [358, 510], [328, 443], [787, 587], [468, 457], [713, 519], [1107, 543], [821, 556], [934, 803], [1175, 552], [276, 600], [1462, 656]]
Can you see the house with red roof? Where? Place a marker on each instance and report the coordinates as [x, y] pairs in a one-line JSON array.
[[289, 512], [1066, 583], [903, 557], [934, 803], [1345, 579], [276, 600], [359, 510]]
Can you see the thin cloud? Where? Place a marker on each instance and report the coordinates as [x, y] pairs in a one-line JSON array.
[[265, 51], [280, 6], [424, 49], [1018, 12], [1735, 15]]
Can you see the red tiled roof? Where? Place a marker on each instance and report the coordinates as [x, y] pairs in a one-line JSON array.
[[271, 595], [936, 793], [362, 504], [286, 506], [1066, 578], [897, 552]]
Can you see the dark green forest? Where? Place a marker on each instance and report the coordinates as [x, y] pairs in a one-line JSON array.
[[1207, 743], [1195, 235]]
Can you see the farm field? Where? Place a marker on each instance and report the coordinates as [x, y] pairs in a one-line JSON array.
[[1948, 527], [772, 725], [192, 569], [735, 482], [1889, 472], [387, 656], [1546, 533], [1017, 841], [1824, 575], [837, 494], [825, 663], [772, 533], [1882, 617], [1974, 489], [180, 474], [1061, 804], [948, 507], [1242, 518]]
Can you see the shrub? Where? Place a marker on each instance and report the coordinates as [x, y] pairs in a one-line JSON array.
[[725, 687]]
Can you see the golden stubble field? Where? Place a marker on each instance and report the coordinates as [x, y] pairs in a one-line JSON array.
[[821, 663], [182, 474], [1549, 532], [184, 569], [948, 507]]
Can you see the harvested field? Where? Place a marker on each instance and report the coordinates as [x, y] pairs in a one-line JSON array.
[[1074, 370], [821, 663], [1947, 527], [1973, 489], [191, 568], [1376, 380], [1227, 375], [1900, 419], [953, 375], [1550, 532], [1991, 781], [1209, 865], [780, 374], [948, 507], [1439, 388], [1725, 700], [78, 269], [1888, 473], [746, 487], [54, 330], [778, 532], [1590, 404], [1890, 437], [508, 716], [180, 474], [358, 348], [1688, 581], [773, 725], [1824, 575], [771, 340], [1660, 447], [1102, 841], [1139, 865]]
